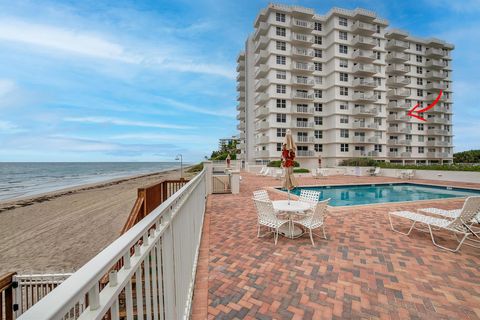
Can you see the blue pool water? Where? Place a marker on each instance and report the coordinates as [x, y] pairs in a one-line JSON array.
[[380, 193]]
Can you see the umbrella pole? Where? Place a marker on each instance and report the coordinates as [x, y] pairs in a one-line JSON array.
[[288, 192]]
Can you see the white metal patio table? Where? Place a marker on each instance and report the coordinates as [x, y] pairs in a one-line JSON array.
[[290, 208]]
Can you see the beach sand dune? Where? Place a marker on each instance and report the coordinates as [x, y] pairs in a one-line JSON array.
[[61, 231]]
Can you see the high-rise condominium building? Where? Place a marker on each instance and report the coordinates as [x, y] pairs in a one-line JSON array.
[[343, 83]]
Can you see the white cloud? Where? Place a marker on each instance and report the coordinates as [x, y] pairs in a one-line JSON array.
[[188, 107], [96, 46], [6, 86], [123, 122], [8, 127]]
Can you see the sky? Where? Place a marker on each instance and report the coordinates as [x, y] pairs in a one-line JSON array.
[[147, 80]]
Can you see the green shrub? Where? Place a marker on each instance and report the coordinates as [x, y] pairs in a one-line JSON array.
[[278, 164], [301, 170], [359, 162], [471, 156], [196, 168], [368, 162]]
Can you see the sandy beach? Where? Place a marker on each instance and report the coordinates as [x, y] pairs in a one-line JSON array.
[[60, 231]]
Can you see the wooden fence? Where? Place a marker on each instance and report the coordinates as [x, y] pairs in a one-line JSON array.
[[6, 296], [151, 197]]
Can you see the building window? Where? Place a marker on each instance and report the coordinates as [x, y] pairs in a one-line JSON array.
[[378, 148], [318, 53], [281, 60], [344, 147], [378, 54], [343, 77], [379, 29], [419, 81], [343, 91], [420, 92], [343, 35], [280, 17], [408, 137], [318, 93], [342, 21], [279, 146], [419, 58], [343, 63], [420, 126], [318, 26], [281, 132], [344, 106], [318, 120], [318, 147], [318, 134], [419, 70], [282, 46], [378, 81], [318, 40], [342, 49], [318, 107], [344, 119], [318, 66], [419, 47], [344, 133], [281, 88], [421, 149], [377, 94], [281, 103], [281, 74], [421, 138], [281, 117], [408, 149], [281, 32]]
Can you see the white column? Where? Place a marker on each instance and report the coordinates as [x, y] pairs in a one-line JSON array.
[[208, 165], [235, 181]]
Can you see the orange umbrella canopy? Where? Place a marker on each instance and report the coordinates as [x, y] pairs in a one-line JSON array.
[[288, 158]]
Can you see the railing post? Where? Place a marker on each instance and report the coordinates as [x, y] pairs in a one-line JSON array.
[[208, 165], [235, 182]]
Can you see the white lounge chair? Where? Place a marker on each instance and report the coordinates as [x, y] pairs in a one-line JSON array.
[[267, 172], [376, 172], [315, 220], [262, 171], [266, 217], [459, 225], [261, 195], [310, 196]]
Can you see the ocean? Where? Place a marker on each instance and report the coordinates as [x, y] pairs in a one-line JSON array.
[[22, 179]]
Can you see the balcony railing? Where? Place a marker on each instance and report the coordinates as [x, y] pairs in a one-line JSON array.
[[302, 95], [303, 81], [394, 44], [301, 66], [364, 55], [364, 42], [303, 124], [305, 153], [363, 28], [435, 64], [434, 52], [364, 83], [300, 37], [398, 68], [303, 52], [147, 257], [432, 74], [365, 111], [305, 139], [397, 57], [398, 81], [364, 68], [362, 96], [436, 86], [302, 24], [398, 93]]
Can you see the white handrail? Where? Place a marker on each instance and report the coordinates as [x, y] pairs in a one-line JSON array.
[[167, 240]]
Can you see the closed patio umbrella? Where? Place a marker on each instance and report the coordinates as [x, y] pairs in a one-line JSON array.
[[288, 157]]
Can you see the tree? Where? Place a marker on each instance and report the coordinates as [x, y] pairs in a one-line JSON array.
[[471, 156]]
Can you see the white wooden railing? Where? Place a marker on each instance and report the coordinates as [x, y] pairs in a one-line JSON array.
[[158, 256]]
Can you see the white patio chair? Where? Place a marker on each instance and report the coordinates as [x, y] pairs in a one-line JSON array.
[[267, 172], [261, 195], [315, 220], [262, 171], [409, 174], [375, 172], [459, 225], [310, 196], [266, 217]]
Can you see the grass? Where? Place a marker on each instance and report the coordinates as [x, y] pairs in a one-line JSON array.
[[196, 168]]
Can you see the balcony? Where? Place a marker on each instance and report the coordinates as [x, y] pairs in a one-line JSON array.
[[241, 106], [397, 57], [364, 42], [397, 45], [261, 43], [436, 86], [262, 140], [301, 38], [434, 53], [260, 30], [406, 154], [437, 75], [364, 125], [241, 115], [261, 71], [398, 93], [364, 83], [303, 139], [363, 96], [241, 126], [301, 24], [363, 111], [438, 120], [374, 139], [435, 64], [303, 52], [262, 98], [241, 145], [262, 154], [399, 104], [363, 28], [397, 117], [433, 96], [396, 142], [438, 132], [303, 110], [364, 69], [359, 139], [303, 67], [262, 112], [359, 153], [303, 124], [398, 81], [302, 95], [261, 57], [241, 76], [398, 129], [241, 65], [305, 153], [393, 154], [303, 81], [398, 69], [242, 135], [241, 86], [364, 55], [436, 143], [241, 96], [262, 125], [373, 153], [438, 155]]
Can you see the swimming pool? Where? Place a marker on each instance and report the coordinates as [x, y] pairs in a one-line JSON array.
[[351, 195]]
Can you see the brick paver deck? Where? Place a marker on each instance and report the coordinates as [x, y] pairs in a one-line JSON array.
[[363, 271]]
